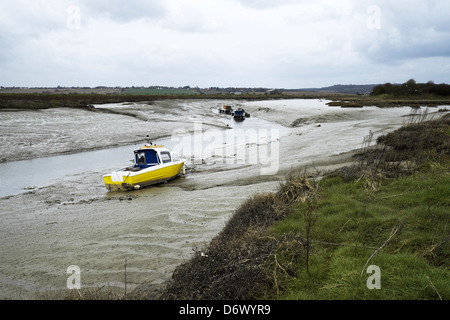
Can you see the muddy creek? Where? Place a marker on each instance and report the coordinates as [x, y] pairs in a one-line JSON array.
[[55, 211]]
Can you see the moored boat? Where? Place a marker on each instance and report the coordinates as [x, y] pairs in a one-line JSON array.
[[227, 109], [239, 114], [153, 164]]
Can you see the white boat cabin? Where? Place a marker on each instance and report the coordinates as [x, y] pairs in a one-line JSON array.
[[149, 156]]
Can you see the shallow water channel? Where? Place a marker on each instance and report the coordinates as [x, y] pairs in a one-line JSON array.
[[197, 146], [55, 211]]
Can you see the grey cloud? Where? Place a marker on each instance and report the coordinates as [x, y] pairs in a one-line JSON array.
[[223, 41], [123, 11], [265, 4], [388, 53], [412, 30]]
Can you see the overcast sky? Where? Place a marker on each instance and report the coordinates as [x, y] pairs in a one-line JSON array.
[[205, 43]]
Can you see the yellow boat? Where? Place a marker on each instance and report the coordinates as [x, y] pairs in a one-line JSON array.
[[153, 164]]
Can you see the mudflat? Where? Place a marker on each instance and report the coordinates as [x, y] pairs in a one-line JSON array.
[[73, 220]]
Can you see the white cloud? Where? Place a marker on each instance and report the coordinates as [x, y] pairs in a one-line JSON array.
[[221, 42], [123, 11]]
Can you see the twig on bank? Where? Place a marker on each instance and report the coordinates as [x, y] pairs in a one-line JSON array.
[[434, 288], [338, 244], [125, 278], [437, 245], [393, 232], [392, 196]]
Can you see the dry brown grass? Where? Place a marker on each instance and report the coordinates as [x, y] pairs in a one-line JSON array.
[[243, 262]]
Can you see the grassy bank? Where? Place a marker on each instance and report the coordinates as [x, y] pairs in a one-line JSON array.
[[76, 100], [319, 238], [82, 100], [404, 223], [389, 101], [409, 93]]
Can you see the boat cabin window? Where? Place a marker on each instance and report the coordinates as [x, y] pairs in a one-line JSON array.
[[146, 158], [140, 158], [165, 157]]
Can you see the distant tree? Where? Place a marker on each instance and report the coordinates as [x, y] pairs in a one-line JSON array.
[[377, 90], [411, 87], [386, 88], [411, 83]]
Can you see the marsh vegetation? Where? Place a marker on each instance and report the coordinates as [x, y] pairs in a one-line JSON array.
[[313, 238]]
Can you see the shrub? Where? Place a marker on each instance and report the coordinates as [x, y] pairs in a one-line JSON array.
[[242, 262]]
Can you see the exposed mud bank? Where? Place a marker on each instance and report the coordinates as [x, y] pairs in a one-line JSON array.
[[29, 134], [75, 221]]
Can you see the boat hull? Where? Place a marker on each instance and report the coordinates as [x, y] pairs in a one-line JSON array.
[[128, 180]]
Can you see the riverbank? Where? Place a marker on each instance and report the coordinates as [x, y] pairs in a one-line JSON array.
[[79, 99], [389, 101], [73, 220], [313, 238], [34, 101]]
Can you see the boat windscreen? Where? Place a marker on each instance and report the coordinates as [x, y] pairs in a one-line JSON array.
[[152, 157], [146, 158]]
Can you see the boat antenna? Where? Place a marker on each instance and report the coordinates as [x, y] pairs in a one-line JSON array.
[[148, 140]]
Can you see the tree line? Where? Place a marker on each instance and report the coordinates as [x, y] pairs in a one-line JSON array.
[[411, 87]]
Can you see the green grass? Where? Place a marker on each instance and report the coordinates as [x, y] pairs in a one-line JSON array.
[[315, 238], [403, 277], [352, 223]]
